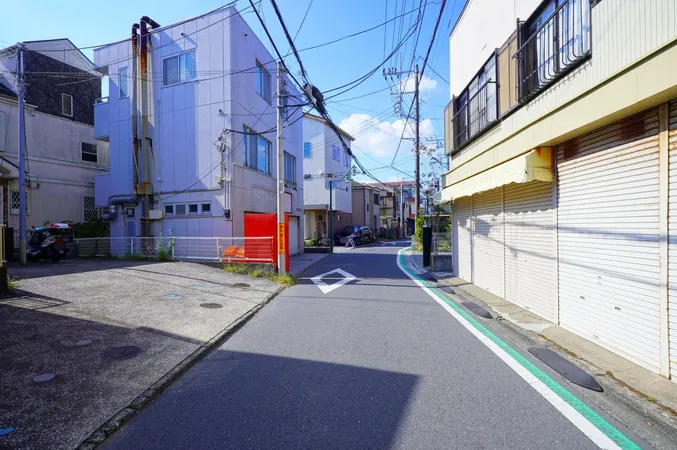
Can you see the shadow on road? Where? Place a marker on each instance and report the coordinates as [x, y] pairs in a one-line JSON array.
[[244, 400]]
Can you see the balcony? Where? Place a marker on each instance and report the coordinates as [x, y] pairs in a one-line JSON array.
[[101, 119], [474, 115], [555, 41]]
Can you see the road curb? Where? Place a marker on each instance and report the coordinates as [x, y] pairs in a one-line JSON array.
[[625, 395], [109, 427]]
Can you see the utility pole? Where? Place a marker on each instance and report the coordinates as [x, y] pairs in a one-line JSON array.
[[403, 233], [22, 158], [281, 229], [416, 143], [417, 118]]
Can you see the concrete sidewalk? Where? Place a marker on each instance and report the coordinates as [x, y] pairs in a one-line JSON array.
[[113, 334], [642, 389], [299, 263]]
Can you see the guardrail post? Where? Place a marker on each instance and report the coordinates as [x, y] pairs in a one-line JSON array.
[[132, 245], [172, 244]]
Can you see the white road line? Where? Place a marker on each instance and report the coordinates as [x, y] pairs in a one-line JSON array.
[[576, 418], [327, 288]]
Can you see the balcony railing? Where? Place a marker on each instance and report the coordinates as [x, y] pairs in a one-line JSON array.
[[477, 114], [552, 48]]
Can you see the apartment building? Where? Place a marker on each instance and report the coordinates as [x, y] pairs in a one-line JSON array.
[[325, 161], [562, 138], [62, 154], [191, 119], [367, 200]]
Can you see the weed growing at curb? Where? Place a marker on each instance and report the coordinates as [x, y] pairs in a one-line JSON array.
[[285, 280], [13, 283]]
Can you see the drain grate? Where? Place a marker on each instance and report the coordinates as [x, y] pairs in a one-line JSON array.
[[240, 285], [121, 353], [44, 377], [211, 305]]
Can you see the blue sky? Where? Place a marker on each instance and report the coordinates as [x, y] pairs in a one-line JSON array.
[[371, 119]]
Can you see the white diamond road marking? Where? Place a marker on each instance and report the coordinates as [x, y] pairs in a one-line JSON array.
[[327, 288]]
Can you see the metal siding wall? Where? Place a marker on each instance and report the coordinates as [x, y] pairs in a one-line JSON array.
[[462, 224], [672, 240], [488, 241], [530, 248], [608, 213]]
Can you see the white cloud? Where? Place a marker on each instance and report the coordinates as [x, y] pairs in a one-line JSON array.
[[380, 138], [409, 84]]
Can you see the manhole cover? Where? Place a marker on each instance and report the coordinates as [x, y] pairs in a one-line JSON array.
[[6, 430], [211, 305], [44, 377], [174, 297], [240, 285], [121, 353], [83, 342]]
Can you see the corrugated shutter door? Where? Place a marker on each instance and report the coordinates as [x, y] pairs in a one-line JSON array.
[[608, 237], [487, 242], [461, 216], [672, 239], [530, 248]]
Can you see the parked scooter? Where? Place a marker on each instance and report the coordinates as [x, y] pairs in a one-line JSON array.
[[49, 242]]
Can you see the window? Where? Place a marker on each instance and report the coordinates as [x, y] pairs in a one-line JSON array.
[[336, 153], [14, 202], [555, 39], [123, 82], [67, 105], [89, 153], [367, 207], [263, 82], [345, 158], [289, 170], [307, 150], [89, 209], [206, 208], [192, 208], [180, 210], [256, 151], [179, 68], [169, 210], [476, 108], [376, 199]]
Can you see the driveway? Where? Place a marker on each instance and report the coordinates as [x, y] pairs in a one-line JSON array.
[[68, 316]]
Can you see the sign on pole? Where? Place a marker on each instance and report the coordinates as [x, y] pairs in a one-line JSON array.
[[281, 233]]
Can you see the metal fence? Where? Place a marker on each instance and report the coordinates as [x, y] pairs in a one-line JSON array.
[[208, 249]]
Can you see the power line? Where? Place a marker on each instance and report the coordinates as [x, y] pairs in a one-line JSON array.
[[304, 20]]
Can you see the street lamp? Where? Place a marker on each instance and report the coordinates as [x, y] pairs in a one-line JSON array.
[[347, 176]]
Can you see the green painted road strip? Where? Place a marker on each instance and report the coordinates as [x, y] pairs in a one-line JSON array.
[[581, 415]]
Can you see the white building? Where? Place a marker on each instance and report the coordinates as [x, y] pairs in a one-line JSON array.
[[325, 160], [62, 153], [205, 115], [562, 138]]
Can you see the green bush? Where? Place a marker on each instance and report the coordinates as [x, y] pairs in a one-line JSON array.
[[310, 242], [91, 229], [418, 232]]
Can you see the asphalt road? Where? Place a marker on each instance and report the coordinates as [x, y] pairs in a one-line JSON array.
[[376, 362]]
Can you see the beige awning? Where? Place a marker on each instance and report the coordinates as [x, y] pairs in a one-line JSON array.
[[535, 165]]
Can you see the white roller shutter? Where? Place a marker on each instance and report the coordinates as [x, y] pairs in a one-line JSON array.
[[293, 235], [530, 248], [608, 237], [487, 241], [672, 239], [462, 226]]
